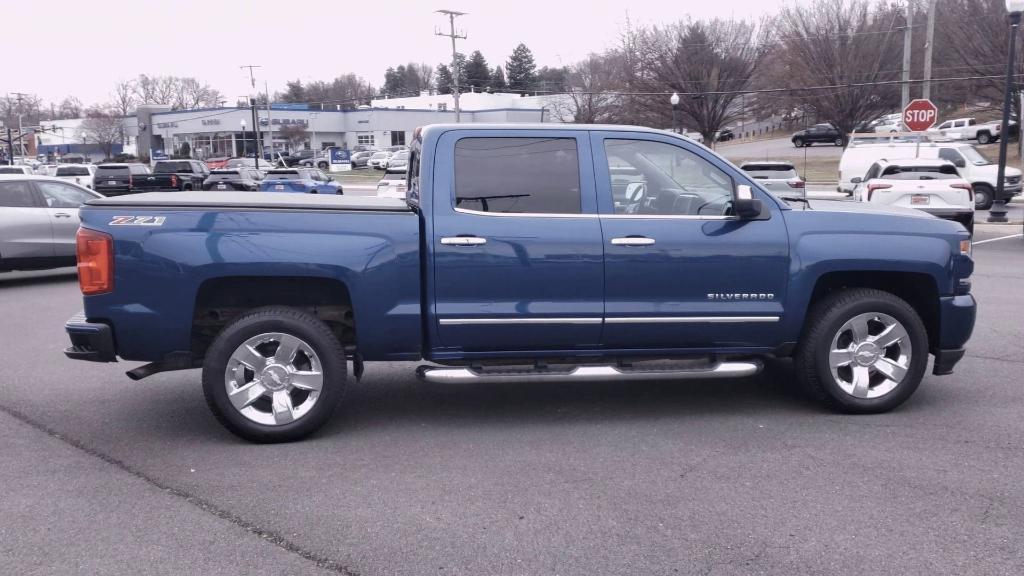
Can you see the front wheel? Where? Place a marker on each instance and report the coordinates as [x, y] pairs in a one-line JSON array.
[[984, 138], [983, 196], [798, 142], [275, 374], [863, 351], [838, 141]]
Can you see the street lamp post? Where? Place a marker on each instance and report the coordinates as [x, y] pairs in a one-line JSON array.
[[998, 211], [243, 137], [674, 100]]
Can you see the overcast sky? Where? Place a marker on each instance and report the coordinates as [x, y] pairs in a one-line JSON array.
[[78, 48]]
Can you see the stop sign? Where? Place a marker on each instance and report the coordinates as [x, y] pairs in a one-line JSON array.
[[920, 115]]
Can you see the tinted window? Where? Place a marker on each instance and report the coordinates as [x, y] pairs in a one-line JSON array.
[[770, 171], [11, 170], [72, 171], [284, 175], [16, 195], [920, 173], [172, 167], [59, 195], [517, 175], [111, 171], [673, 181]]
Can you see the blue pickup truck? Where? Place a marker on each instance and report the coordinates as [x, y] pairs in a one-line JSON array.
[[521, 253]]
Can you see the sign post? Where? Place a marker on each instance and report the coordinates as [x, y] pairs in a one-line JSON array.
[[918, 116]]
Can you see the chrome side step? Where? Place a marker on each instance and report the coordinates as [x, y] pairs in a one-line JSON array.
[[441, 374]]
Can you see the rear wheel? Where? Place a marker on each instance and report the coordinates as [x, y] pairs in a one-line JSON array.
[[983, 196], [275, 374], [984, 137], [838, 141], [798, 142], [863, 351]]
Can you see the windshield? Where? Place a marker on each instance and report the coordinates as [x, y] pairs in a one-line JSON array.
[[380, 155], [72, 171], [973, 156]]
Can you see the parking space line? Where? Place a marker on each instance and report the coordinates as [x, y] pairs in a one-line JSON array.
[[1000, 238]]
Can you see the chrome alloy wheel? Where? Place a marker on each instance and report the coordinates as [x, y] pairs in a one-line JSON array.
[[870, 355], [274, 378]]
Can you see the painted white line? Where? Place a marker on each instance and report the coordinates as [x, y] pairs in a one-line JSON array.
[[1000, 238]]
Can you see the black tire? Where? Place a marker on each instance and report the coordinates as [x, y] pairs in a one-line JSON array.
[[983, 196], [322, 165], [984, 137], [838, 141], [798, 142], [288, 321], [826, 319]]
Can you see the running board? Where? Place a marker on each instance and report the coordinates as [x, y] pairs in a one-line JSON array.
[[437, 374]]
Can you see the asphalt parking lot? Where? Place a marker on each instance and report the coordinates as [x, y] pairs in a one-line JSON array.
[[102, 475]]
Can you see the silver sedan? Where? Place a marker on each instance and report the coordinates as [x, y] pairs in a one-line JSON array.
[[38, 221]]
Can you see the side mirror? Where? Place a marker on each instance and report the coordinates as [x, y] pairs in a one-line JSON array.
[[856, 180], [744, 204]]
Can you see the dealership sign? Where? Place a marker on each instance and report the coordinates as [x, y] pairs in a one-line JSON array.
[[285, 122]]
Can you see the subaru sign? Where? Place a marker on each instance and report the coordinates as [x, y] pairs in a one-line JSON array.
[[341, 159]]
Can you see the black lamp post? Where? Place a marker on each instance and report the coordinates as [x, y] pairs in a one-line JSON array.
[[998, 211], [674, 100]]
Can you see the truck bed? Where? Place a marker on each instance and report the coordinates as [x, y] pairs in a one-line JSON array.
[[249, 200]]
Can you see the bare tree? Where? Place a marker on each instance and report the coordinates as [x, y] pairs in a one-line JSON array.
[[295, 134], [590, 98], [710, 63], [177, 92], [69, 107], [102, 126], [849, 45], [124, 97], [347, 90]]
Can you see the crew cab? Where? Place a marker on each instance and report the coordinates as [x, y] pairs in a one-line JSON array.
[[174, 175], [511, 260], [968, 129]]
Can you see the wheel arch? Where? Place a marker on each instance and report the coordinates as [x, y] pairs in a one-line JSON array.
[[220, 300]]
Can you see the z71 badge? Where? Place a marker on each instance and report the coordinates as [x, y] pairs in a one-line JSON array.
[[137, 220]]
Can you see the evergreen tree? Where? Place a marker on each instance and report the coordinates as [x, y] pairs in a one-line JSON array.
[[498, 80], [394, 81], [521, 70], [294, 92], [443, 84], [477, 72]]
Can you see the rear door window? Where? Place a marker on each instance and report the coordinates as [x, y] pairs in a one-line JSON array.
[[17, 195], [513, 175]]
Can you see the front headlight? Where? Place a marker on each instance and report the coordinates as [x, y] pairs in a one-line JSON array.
[[966, 247]]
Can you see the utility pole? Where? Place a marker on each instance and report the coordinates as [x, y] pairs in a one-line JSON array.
[[252, 78], [455, 56], [270, 123], [926, 88], [252, 101], [905, 86], [21, 142]]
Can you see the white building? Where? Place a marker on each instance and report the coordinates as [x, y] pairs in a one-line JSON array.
[[551, 105]]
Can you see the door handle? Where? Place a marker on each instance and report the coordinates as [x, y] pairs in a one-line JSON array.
[[463, 241], [633, 241], [62, 215]]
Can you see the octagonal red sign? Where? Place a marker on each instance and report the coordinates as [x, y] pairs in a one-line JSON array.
[[920, 115]]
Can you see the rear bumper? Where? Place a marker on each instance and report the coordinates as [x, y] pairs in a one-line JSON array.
[[90, 341]]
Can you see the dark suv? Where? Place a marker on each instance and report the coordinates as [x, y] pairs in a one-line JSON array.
[[240, 178], [117, 179], [819, 133]]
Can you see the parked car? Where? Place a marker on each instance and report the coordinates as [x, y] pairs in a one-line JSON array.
[[393, 184], [118, 179], [241, 178], [509, 262], [243, 162], [38, 221], [216, 163], [931, 185], [360, 159], [398, 162], [968, 129], [19, 169], [776, 176], [80, 174], [297, 157], [725, 135], [971, 164], [378, 160], [174, 175], [307, 180], [320, 160], [818, 134]]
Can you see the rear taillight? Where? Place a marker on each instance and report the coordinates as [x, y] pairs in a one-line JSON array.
[[174, 181], [95, 261], [964, 186], [795, 183], [873, 187]]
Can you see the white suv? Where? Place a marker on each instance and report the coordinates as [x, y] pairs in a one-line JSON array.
[[929, 185], [80, 174]]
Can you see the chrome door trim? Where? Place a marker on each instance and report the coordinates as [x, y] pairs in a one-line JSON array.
[[468, 321], [463, 241], [632, 241], [522, 214], [689, 319]]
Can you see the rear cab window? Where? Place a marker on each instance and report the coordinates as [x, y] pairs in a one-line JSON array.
[[517, 175], [172, 167], [112, 171]]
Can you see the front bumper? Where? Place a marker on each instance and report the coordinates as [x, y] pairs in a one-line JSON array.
[[90, 341], [958, 314]]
